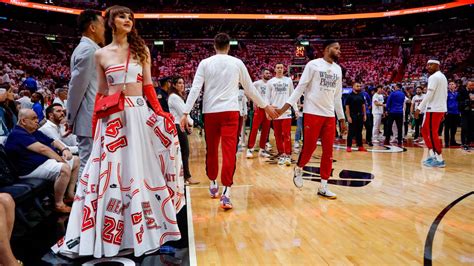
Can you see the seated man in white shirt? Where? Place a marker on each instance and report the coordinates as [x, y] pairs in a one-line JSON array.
[[61, 97], [53, 128]]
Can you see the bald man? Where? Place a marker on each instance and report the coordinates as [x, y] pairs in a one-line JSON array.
[[35, 155]]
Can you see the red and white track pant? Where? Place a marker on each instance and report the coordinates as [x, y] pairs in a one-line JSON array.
[[282, 130], [259, 119], [221, 126], [430, 131], [316, 126]]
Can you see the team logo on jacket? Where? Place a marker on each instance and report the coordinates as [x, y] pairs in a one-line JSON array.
[[140, 102]]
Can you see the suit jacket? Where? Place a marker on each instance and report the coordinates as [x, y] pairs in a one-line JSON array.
[[82, 88]]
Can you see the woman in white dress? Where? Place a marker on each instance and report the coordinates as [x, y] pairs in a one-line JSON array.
[[131, 188]]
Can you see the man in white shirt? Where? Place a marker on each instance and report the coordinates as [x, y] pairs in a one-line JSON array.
[[61, 97], [377, 111], [52, 127], [435, 106], [415, 102], [243, 116], [321, 82], [279, 90], [260, 119], [220, 76]]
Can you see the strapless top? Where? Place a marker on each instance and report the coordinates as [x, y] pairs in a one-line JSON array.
[[115, 74]]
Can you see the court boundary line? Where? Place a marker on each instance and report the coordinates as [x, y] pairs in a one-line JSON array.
[[191, 240], [427, 254]]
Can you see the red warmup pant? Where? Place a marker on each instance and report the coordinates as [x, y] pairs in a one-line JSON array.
[[316, 126], [430, 131], [225, 126], [282, 130], [259, 119]]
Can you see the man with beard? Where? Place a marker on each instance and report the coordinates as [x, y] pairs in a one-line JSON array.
[[435, 106], [321, 82], [260, 119], [52, 127]]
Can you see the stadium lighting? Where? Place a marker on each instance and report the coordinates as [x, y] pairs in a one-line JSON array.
[[158, 43], [50, 38], [234, 42], [304, 43]]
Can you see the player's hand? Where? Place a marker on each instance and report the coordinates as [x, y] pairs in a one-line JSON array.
[[349, 120], [417, 113], [67, 155], [184, 123], [271, 112], [343, 126], [365, 118]]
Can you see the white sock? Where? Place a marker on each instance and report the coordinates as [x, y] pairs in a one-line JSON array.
[[439, 157], [324, 183], [431, 153], [226, 192], [213, 183]]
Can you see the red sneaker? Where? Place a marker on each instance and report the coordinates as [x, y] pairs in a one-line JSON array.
[[349, 149], [361, 148]]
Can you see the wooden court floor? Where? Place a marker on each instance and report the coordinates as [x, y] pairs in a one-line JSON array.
[[393, 219]]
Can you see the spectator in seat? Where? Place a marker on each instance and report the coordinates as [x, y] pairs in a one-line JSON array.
[[25, 100], [38, 106], [61, 97], [55, 113], [34, 155], [8, 113], [7, 220]]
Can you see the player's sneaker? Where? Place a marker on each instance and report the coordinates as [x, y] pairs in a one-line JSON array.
[[268, 146], [214, 190], [249, 154], [298, 177], [325, 192], [288, 161], [361, 148], [281, 160], [428, 161], [225, 203], [438, 164], [349, 149], [263, 153]]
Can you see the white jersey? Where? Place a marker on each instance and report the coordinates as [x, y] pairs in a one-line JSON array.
[[279, 91], [416, 101], [220, 76], [437, 96], [261, 86], [377, 110], [321, 82], [242, 103]]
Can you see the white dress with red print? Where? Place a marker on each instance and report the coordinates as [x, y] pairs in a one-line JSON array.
[[131, 188]]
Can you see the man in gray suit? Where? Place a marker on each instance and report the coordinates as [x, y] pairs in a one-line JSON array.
[[83, 83]]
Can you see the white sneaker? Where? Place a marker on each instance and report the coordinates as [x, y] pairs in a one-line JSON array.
[[325, 192], [288, 161], [281, 160], [375, 141], [296, 145], [298, 177], [249, 154], [268, 146], [263, 153]]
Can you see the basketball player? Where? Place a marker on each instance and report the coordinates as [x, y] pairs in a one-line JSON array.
[[260, 119], [220, 75], [377, 111], [435, 106], [321, 82], [279, 90]]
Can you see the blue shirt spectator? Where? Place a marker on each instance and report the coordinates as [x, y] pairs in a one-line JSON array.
[[395, 102], [368, 102], [453, 107], [31, 84], [16, 148]]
